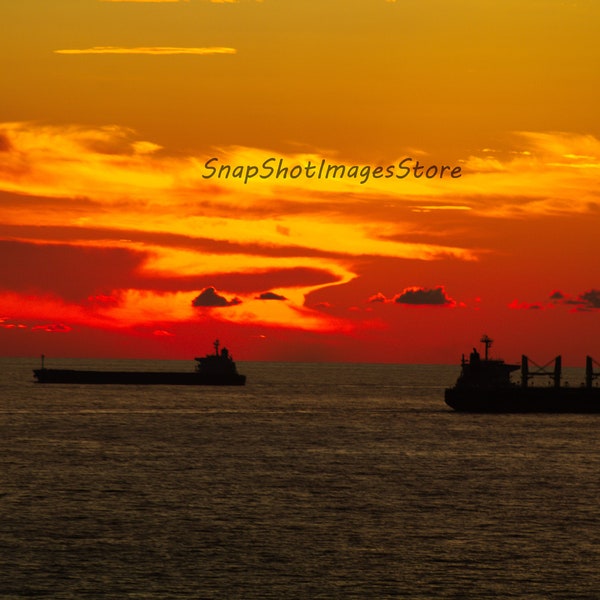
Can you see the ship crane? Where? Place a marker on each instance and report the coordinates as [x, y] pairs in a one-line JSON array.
[[542, 371], [589, 371]]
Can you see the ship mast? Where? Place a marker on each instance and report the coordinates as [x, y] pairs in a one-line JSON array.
[[488, 342]]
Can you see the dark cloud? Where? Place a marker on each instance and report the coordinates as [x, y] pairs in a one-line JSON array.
[[270, 296], [424, 296], [589, 300], [210, 297], [586, 301]]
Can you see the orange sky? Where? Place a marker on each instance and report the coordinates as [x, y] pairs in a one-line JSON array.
[[118, 238]]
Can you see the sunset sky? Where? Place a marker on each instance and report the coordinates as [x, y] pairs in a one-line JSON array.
[[118, 237]]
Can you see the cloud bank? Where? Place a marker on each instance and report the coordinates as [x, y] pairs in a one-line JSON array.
[[157, 232]]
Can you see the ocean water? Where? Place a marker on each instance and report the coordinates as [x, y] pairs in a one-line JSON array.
[[312, 481]]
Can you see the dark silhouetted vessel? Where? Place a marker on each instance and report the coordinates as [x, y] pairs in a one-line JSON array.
[[485, 386], [212, 369]]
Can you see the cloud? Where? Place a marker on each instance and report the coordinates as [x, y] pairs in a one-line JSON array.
[[53, 328], [11, 324], [105, 176], [424, 296], [543, 173], [156, 1], [590, 299], [378, 297], [168, 232], [517, 305], [270, 296], [583, 302], [547, 174], [154, 50], [171, 1], [210, 297], [92, 281]]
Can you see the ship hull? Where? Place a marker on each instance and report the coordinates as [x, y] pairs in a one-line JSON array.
[[136, 377], [524, 400]]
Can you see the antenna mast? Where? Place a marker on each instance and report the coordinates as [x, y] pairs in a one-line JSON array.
[[488, 342]]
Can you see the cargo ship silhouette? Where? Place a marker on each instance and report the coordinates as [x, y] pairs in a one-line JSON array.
[[212, 369], [484, 385]]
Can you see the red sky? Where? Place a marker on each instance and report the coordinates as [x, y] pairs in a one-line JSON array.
[[117, 238]]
